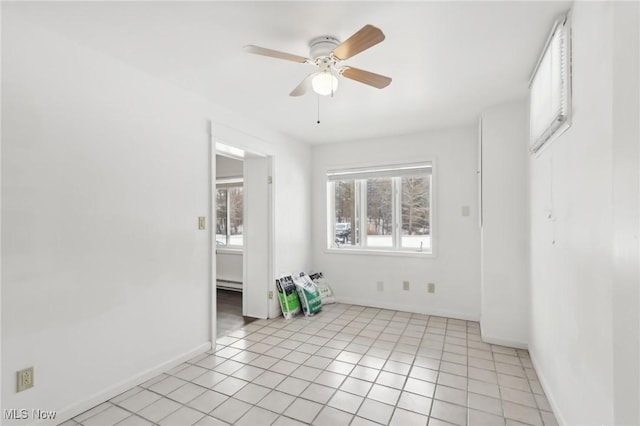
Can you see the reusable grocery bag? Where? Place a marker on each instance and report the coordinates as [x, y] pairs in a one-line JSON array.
[[308, 294], [288, 296]]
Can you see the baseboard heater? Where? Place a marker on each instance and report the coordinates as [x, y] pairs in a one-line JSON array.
[[229, 285]]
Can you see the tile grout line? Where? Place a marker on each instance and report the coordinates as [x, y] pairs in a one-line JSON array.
[[386, 360], [401, 329]]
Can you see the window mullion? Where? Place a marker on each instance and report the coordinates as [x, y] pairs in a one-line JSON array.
[[362, 220], [228, 217], [397, 214], [394, 215], [331, 218]]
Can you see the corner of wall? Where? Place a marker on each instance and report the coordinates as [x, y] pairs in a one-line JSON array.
[[115, 390], [504, 237], [501, 340], [548, 391]]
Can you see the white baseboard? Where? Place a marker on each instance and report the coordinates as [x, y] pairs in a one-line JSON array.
[[547, 391], [504, 342], [229, 285], [235, 280], [501, 341], [115, 390], [426, 310]]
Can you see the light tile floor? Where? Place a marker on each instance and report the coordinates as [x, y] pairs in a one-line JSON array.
[[348, 365]]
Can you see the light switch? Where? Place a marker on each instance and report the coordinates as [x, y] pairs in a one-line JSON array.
[[202, 224]]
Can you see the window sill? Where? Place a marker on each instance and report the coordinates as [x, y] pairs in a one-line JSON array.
[[392, 253], [227, 250]]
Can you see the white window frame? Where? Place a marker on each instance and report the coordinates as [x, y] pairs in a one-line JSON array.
[[554, 64], [228, 184], [362, 248]]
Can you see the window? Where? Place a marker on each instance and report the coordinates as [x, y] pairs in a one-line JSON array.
[[550, 88], [229, 200], [381, 209]]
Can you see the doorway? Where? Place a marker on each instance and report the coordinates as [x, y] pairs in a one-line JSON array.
[[229, 238], [242, 261]]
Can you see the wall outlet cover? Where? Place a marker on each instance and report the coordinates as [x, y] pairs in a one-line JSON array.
[[431, 288], [25, 379], [405, 285]]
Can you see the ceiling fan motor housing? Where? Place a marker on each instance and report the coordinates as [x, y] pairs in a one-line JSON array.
[[323, 46], [325, 53]]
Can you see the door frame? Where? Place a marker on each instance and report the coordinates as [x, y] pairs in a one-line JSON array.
[[244, 143]]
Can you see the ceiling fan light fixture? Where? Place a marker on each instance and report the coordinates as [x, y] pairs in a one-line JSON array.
[[324, 83], [326, 52]]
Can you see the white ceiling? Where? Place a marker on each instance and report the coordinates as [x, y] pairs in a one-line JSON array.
[[448, 60]]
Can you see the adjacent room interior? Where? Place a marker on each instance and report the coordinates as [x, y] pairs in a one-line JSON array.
[[465, 175], [229, 245]]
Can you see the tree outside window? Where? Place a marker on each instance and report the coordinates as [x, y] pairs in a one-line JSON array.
[[416, 193], [390, 207], [229, 216]]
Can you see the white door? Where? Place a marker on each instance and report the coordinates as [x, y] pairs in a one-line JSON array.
[[256, 234]]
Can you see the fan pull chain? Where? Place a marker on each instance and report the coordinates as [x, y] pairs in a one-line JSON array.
[[331, 73], [318, 96]]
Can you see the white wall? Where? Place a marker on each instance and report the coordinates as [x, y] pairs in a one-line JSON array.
[[228, 167], [229, 266], [104, 173], [584, 262], [626, 202], [104, 270], [505, 225], [455, 267]]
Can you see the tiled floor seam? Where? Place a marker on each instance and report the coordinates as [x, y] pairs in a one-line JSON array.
[[401, 339]]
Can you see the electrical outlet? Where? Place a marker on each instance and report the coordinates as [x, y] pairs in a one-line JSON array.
[[202, 223], [431, 288], [25, 379], [405, 285], [380, 286], [270, 295]]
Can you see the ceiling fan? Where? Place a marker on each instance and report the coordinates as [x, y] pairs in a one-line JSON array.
[[326, 53]]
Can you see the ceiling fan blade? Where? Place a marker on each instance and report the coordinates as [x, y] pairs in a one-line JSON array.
[[302, 88], [274, 54], [366, 77], [367, 37]]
